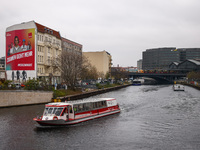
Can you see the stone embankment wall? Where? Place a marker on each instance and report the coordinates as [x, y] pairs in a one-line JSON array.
[[16, 98], [91, 93]]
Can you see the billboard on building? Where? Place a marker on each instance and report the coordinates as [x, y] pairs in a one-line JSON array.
[[20, 51]]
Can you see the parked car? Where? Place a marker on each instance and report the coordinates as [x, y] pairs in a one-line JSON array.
[[16, 85], [22, 85]]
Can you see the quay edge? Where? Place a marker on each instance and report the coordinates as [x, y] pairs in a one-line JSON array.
[[91, 93]]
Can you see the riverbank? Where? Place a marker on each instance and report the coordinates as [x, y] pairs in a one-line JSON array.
[[89, 93], [10, 98], [192, 85], [196, 86]]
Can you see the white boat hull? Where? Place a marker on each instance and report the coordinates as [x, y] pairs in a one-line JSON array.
[[62, 122]]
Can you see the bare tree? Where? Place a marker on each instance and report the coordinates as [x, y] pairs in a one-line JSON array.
[[74, 66], [88, 71], [70, 65]]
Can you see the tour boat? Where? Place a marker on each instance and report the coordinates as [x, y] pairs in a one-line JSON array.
[[178, 87], [73, 112]]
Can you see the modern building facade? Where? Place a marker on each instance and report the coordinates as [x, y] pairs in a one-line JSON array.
[[139, 64], [102, 60], [189, 53], [161, 58]]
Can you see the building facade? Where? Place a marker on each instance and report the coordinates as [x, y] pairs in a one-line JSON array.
[[48, 48], [30, 49], [102, 60], [2, 63], [139, 64], [189, 53], [70, 46], [161, 58]]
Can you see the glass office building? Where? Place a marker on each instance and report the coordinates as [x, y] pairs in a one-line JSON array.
[[161, 58]]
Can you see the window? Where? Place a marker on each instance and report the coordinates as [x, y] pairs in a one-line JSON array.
[[75, 108], [49, 59], [46, 111], [70, 109], [58, 111], [50, 110]]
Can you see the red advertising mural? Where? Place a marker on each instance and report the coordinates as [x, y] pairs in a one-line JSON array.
[[20, 49]]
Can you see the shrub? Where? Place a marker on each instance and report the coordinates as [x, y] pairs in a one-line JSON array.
[[99, 86], [59, 93]]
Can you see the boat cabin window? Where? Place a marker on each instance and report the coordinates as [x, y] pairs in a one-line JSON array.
[[53, 110], [88, 106], [58, 111], [75, 108], [100, 104], [50, 110], [82, 107], [70, 109]]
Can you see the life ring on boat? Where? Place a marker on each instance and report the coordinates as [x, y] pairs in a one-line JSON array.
[[55, 118]]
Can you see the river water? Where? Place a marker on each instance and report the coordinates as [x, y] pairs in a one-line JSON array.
[[152, 117]]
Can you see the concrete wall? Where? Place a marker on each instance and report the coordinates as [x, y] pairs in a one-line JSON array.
[[16, 98]]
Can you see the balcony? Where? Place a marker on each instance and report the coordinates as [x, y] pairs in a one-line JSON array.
[[48, 43]]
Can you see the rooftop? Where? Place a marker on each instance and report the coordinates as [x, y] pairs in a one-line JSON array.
[[47, 30]]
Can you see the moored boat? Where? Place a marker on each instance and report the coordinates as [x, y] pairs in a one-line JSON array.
[[73, 112], [178, 87], [136, 83]]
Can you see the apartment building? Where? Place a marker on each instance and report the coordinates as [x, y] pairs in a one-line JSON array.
[[30, 49], [71, 46], [49, 47], [102, 60]]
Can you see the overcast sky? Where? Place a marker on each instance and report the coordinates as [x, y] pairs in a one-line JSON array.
[[124, 28]]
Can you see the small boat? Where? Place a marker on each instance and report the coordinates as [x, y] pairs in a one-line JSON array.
[[136, 83], [178, 87], [73, 112]]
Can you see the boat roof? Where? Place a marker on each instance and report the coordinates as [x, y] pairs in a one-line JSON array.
[[178, 85], [80, 101]]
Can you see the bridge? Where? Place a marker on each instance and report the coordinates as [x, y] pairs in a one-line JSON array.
[[161, 78]]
